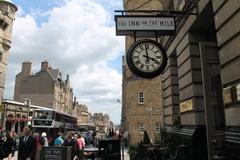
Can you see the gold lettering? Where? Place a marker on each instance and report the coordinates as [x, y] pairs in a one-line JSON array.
[[186, 106]]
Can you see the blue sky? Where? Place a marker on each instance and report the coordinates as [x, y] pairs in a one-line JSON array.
[[31, 6], [78, 37]]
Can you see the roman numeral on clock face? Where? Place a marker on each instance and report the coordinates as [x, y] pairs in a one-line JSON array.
[[157, 62], [141, 66], [147, 46], [142, 47], [138, 62], [135, 58], [147, 68]]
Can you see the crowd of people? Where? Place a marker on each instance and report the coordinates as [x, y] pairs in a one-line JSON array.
[[30, 144]]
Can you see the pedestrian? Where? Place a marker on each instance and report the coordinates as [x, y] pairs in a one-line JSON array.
[[97, 138], [58, 141], [81, 145], [8, 149], [125, 138], [27, 148], [38, 145], [44, 140], [2, 142], [75, 136], [37, 141], [10, 145], [71, 142], [14, 143]]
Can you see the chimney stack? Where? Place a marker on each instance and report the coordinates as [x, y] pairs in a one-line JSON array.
[[26, 68], [67, 77], [44, 66]]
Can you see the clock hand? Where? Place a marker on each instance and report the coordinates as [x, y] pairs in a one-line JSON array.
[[153, 59], [146, 53]]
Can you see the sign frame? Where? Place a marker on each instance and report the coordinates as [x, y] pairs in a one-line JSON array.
[[145, 32], [55, 153]]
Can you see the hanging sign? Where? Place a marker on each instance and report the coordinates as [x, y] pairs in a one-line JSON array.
[[144, 25]]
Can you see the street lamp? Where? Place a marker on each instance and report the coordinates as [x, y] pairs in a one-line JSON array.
[[27, 103], [149, 109]]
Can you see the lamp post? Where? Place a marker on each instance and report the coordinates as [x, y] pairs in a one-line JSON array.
[[149, 109], [4, 114], [27, 103]]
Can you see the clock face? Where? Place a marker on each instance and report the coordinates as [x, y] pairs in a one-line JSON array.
[[146, 58]]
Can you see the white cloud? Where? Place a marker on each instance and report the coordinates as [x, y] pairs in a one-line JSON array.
[[77, 39], [100, 88], [20, 11]]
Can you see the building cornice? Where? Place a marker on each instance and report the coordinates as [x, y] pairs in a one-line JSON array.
[[10, 2]]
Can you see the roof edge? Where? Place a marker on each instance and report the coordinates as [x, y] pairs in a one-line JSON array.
[[11, 3]]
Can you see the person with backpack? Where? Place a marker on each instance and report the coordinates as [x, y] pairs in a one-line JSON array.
[[43, 139]]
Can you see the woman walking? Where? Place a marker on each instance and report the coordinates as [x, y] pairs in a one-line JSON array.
[[70, 142], [80, 145], [9, 146]]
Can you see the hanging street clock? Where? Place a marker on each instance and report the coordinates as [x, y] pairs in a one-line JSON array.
[[146, 58]]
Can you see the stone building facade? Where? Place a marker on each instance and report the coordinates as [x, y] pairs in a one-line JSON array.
[[44, 88], [82, 115], [201, 83], [7, 16], [141, 98], [102, 122]]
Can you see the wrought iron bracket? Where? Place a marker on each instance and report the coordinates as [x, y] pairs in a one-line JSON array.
[[188, 11]]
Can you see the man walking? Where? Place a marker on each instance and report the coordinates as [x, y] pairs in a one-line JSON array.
[[26, 149]]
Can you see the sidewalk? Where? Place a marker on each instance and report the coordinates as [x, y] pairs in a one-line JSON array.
[[125, 155]]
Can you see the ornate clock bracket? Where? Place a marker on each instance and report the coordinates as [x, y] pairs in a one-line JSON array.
[[135, 37]]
